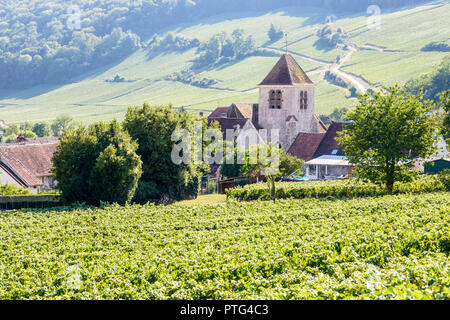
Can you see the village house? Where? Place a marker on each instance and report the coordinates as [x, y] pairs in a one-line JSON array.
[[27, 163], [328, 160], [286, 103]]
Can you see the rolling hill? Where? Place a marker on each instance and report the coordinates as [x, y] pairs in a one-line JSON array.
[[370, 57]]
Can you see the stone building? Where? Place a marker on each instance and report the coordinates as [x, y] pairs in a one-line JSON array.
[[286, 103]]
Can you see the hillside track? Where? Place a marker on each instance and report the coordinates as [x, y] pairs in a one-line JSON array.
[[361, 84]]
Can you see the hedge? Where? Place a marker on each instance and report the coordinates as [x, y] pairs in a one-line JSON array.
[[336, 189]]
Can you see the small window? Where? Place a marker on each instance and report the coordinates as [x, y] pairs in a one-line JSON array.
[[303, 100], [334, 152], [275, 99]]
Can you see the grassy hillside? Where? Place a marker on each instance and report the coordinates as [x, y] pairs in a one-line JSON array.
[[400, 38], [393, 247], [393, 56]]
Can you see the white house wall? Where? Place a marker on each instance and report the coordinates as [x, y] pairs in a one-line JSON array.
[[5, 178]]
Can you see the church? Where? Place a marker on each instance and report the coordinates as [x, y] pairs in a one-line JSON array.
[[286, 103]]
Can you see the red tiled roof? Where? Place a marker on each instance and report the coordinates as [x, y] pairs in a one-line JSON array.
[[220, 112], [30, 161], [230, 123], [329, 143], [246, 109], [286, 72], [305, 145]]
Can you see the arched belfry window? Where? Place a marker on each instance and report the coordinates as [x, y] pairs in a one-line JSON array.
[[303, 99], [275, 99]]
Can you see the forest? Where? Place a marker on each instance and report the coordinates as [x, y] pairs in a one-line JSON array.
[[52, 41]]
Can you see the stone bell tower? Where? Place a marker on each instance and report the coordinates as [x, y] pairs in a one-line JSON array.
[[286, 101]]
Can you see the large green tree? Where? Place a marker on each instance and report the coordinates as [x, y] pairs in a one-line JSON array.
[[97, 163], [387, 131], [152, 128]]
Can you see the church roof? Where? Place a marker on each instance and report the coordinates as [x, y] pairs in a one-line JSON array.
[[246, 109], [220, 112], [237, 111], [286, 72]]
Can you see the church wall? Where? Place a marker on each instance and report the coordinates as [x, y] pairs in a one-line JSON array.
[[276, 118]]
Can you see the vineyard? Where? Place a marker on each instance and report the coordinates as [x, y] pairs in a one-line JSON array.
[[336, 189], [392, 247]]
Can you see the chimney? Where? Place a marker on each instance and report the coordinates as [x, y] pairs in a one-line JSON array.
[[21, 138]]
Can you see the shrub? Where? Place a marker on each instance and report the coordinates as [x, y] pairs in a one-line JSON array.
[[335, 189], [436, 46], [334, 79], [42, 129], [97, 164], [29, 134], [274, 33], [12, 190]]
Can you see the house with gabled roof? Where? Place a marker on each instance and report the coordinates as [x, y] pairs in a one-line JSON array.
[[27, 163], [329, 161]]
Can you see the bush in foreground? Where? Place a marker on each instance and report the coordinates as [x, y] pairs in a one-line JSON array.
[[97, 163]]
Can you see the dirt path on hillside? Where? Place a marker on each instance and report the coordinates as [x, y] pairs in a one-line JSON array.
[[361, 84], [277, 50]]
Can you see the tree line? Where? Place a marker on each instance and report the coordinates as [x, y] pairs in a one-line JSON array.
[[222, 48], [42, 129], [128, 161]]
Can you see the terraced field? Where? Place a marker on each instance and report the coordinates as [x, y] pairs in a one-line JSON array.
[[386, 55]]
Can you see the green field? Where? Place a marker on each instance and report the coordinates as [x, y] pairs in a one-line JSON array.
[[393, 247], [389, 68], [401, 35]]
